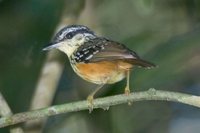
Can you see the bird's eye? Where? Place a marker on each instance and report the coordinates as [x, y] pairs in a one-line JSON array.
[[69, 36]]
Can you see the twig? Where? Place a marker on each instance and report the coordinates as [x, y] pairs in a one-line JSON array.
[[4, 108], [6, 111], [104, 103]]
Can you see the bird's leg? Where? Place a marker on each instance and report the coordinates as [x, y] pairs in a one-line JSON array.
[[127, 89], [90, 97]]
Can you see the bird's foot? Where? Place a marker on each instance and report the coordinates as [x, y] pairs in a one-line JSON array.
[[127, 93], [90, 100]]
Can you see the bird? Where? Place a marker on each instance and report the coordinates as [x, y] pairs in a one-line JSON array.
[[95, 58]]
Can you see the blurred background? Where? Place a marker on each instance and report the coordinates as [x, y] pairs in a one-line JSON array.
[[166, 32]]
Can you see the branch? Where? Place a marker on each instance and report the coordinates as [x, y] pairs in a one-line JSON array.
[[48, 80], [104, 103], [4, 108], [75, 12], [6, 111]]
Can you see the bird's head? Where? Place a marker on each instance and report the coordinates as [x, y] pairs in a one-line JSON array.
[[69, 38]]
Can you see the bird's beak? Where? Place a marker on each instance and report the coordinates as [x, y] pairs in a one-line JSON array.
[[52, 46]]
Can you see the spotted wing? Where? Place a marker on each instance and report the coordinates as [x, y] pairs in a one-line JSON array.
[[101, 49]]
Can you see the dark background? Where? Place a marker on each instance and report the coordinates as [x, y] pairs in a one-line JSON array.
[[166, 32]]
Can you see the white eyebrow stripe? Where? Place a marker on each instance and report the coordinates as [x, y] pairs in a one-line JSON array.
[[65, 32]]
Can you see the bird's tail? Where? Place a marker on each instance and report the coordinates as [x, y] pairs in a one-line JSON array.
[[142, 63]]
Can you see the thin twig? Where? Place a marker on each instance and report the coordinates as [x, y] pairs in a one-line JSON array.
[[6, 111], [104, 103]]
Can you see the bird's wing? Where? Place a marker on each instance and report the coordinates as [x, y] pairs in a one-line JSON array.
[[101, 49]]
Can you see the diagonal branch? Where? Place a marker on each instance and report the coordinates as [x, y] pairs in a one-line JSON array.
[[6, 111], [104, 103]]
